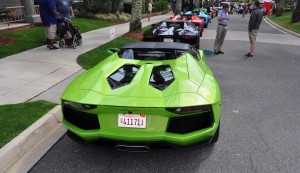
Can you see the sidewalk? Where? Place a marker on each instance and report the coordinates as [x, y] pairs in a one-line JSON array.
[[25, 75]]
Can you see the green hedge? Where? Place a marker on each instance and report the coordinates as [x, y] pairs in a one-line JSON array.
[[160, 6]]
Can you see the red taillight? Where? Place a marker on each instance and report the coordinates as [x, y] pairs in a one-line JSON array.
[[188, 37], [148, 36]]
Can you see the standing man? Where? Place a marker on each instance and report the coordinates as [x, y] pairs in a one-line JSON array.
[[253, 26], [64, 8], [173, 6], [149, 9], [222, 19], [49, 17]]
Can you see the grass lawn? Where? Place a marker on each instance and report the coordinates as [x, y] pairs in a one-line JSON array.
[[16, 118], [285, 21], [93, 57], [33, 37]]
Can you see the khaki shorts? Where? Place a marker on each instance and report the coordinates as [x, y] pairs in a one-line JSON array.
[[50, 31], [252, 36]]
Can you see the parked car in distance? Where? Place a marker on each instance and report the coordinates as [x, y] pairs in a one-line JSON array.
[[173, 31]]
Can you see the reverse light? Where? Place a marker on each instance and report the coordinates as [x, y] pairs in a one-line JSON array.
[[190, 110], [79, 106]]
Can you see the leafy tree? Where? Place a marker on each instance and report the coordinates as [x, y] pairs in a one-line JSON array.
[[136, 16], [296, 13]]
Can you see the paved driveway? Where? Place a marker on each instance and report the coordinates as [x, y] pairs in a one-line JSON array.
[[259, 124]]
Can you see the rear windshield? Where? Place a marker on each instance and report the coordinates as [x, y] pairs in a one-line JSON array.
[[150, 54]]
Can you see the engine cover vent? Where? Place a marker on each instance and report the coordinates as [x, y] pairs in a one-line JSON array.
[[161, 77]]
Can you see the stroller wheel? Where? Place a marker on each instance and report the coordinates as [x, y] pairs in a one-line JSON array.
[[79, 43], [74, 46], [61, 43]]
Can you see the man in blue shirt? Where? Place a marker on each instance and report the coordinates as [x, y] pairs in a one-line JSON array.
[[222, 18], [64, 8], [49, 17]]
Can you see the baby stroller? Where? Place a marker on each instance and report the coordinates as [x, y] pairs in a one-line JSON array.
[[68, 33]]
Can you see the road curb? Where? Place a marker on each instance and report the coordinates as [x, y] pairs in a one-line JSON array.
[[23, 152], [282, 28]]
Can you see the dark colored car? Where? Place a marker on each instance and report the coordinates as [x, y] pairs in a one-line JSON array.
[[199, 23], [173, 31]]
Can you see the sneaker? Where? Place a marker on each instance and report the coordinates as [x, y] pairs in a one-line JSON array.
[[53, 48], [246, 55], [249, 56], [216, 52], [221, 52]]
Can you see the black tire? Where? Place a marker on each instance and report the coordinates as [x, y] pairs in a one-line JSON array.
[[61, 43], [79, 43], [216, 136], [197, 45], [205, 25], [74, 46]]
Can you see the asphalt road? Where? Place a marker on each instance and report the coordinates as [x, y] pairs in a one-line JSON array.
[[259, 124]]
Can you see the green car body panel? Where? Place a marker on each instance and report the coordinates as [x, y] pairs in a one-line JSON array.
[[193, 85]]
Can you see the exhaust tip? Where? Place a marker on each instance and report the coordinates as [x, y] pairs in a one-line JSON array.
[[132, 148]]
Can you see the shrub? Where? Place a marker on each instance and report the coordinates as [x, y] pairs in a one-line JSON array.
[[127, 7], [160, 6]]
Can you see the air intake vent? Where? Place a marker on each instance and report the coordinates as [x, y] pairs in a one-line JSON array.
[[161, 77], [122, 76], [83, 120]]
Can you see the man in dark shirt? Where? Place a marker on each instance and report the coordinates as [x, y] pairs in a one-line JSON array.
[[49, 17], [253, 26]]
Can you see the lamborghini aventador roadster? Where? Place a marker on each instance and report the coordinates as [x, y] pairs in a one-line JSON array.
[[145, 93]]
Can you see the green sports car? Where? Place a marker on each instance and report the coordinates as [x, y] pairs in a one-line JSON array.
[[145, 93]]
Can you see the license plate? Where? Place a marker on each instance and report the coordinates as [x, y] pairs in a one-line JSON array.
[[132, 120], [168, 40]]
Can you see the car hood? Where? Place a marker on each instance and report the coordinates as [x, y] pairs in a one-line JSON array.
[[92, 86]]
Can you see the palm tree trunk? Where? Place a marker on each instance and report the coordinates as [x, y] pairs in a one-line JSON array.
[[280, 8], [136, 16], [178, 7], [296, 13]]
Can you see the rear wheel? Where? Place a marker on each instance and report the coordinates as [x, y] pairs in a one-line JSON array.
[[80, 43], [216, 136], [74, 46], [61, 43]]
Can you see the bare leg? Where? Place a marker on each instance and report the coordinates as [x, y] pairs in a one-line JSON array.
[[252, 47]]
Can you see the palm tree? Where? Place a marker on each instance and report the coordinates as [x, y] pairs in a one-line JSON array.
[[178, 6], [296, 13], [280, 7], [136, 16]]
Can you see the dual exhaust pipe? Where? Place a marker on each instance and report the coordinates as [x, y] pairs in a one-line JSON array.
[[132, 148]]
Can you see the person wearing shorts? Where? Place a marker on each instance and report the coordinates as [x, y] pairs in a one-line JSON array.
[[253, 26], [49, 17], [149, 9]]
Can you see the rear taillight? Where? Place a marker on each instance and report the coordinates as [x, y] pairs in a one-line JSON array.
[[190, 110]]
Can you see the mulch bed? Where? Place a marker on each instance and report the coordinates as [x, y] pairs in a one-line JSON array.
[[7, 40], [134, 35]]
